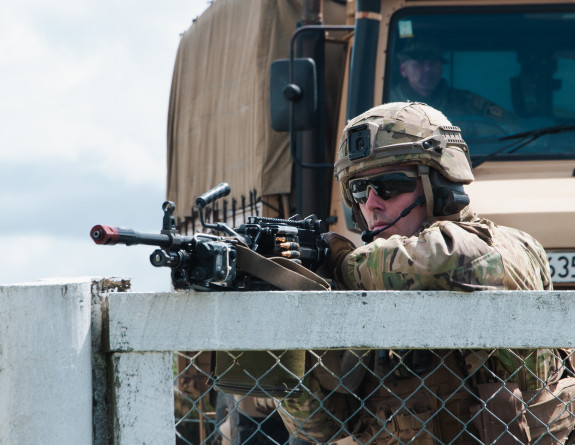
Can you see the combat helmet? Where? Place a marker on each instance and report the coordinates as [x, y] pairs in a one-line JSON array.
[[407, 133], [421, 49]]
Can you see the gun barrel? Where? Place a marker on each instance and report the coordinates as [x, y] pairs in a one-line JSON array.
[[119, 235]]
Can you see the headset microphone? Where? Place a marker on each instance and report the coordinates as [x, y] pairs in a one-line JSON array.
[[368, 235]]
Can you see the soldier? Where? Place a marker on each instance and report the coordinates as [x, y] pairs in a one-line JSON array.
[[421, 68], [401, 168]]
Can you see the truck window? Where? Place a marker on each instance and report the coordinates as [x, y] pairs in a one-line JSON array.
[[498, 73]]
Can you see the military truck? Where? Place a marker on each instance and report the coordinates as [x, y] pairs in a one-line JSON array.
[[305, 67], [262, 89]]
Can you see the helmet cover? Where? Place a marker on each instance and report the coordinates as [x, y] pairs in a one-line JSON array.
[[401, 133]]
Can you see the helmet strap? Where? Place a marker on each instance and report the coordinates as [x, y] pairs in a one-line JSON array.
[[358, 217], [423, 171]]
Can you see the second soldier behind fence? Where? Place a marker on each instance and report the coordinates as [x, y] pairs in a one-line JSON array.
[[401, 168]]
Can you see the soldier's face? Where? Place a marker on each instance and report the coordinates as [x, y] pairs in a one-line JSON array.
[[423, 76], [379, 213]]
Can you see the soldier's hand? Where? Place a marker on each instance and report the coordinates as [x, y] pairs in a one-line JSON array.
[[338, 247]]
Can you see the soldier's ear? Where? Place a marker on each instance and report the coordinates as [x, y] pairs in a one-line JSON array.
[[449, 198]]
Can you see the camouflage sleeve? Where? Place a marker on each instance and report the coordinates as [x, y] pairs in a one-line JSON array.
[[526, 264], [318, 414], [467, 256], [474, 104], [445, 256]]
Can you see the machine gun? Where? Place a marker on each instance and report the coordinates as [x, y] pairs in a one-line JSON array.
[[207, 261]]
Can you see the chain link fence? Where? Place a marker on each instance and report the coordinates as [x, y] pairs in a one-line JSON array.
[[417, 396]]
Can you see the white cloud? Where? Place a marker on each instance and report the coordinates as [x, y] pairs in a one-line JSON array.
[[85, 90], [80, 79]]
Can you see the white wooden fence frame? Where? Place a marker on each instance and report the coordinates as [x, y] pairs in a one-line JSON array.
[[81, 364]]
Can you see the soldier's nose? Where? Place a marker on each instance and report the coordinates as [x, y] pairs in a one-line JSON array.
[[374, 202]]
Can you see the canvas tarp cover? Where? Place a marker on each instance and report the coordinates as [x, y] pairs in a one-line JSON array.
[[219, 123]]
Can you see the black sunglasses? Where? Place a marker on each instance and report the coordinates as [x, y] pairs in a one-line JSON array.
[[386, 185]]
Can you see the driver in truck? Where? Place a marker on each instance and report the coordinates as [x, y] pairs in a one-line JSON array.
[[421, 68]]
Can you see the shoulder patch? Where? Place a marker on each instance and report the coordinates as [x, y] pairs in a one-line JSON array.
[[495, 111]]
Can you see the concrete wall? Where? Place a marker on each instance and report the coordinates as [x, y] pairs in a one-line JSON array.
[[45, 363], [80, 364]]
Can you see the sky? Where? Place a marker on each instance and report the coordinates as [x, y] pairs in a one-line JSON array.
[[83, 118]]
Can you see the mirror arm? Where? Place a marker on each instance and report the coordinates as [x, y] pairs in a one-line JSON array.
[[294, 89]]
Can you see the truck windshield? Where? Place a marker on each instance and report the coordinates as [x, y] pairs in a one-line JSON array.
[[493, 72]]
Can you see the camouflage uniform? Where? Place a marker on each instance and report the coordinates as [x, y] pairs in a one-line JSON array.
[[423, 396], [456, 102], [469, 254]]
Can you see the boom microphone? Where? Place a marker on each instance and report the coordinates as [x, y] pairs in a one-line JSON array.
[[368, 235]]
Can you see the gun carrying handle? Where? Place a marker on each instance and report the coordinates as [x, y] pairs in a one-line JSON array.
[[210, 196]]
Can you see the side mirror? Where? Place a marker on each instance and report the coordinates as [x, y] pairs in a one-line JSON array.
[[301, 92]]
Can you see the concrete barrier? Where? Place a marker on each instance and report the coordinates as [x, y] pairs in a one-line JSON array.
[[80, 364], [45, 363]]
